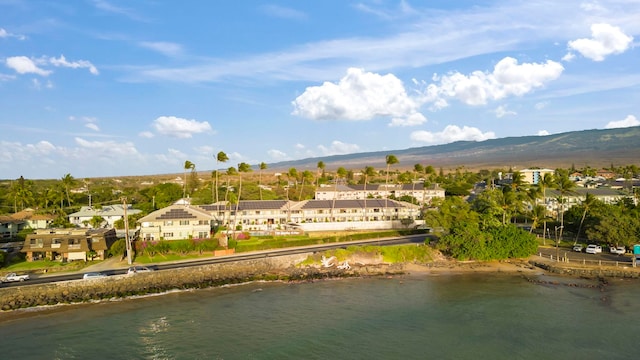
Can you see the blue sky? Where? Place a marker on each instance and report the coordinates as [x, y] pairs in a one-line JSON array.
[[113, 87]]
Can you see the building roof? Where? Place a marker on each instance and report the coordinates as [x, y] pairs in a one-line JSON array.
[[352, 204], [109, 210], [29, 214], [177, 212]]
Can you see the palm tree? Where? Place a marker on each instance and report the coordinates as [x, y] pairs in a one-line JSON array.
[[588, 202], [544, 183], [341, 172], [221, 157], [306, 175], [565, 186], [242, 168], [367, 172], [263, 166], [390, 160], [292, 174], [67, 182], [214, 175], [321, 167], [517, 179], [187, 165], [231, 171], [417, 169]]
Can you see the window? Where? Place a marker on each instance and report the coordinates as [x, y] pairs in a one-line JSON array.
[[184, 222], [168, 223], [55, 243], [167, 235], [36, 242], [203, 235], [203, 222]]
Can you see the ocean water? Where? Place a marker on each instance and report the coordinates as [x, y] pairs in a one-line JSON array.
[[475, 316]]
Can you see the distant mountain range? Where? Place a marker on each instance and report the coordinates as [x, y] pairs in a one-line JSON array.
[[596, 148]]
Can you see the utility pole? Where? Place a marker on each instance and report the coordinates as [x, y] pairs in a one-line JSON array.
[[126, 230]]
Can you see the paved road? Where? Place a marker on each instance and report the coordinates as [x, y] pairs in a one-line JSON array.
[[582, 256]]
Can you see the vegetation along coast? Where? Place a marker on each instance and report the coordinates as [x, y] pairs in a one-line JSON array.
[[576, 221]]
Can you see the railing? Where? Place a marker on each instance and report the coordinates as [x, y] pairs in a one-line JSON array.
[[567, 260]]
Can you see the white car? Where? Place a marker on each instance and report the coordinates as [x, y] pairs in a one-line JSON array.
[[577, 248], [94, 275], [620, 250], [138, 269], [593, 249]]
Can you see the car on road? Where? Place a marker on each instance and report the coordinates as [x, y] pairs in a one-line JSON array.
[[94, 275], [13, 277], [577, 248], [620, 250], [593, 249], [138, 269]]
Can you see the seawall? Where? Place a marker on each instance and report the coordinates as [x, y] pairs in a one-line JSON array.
[[586, 271], [120, 286]]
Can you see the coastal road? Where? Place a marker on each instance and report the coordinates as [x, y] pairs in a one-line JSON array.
[[409, 239], [574, 256]]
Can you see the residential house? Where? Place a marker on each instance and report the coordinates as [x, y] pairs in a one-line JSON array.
[[9, 227], [33, 220], [110, 214], [68, 244], [177, 222]]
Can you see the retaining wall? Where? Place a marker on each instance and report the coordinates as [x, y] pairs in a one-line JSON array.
[[120, 286]]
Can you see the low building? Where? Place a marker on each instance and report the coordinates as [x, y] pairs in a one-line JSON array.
[[417, 190], [312, 215], [177, 222], [68, 244], [110, 214], [33, 220], [9, 227]]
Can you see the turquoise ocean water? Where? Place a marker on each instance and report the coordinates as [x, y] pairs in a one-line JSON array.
[[419, 317]]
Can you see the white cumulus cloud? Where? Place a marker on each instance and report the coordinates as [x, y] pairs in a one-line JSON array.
[[542, 133], [24, 65], [359, 95], [337, 148], [146, 134], [62, 61], [179, 127], [5, 34], [605, 40], [508, 78], [450, 134], [501, 111], [277, 155], [109, 148], [629, 121]]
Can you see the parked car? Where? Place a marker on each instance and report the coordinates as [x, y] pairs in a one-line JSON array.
[[94, 275], [11, 277], [577, 248], [138, 269], [620, 250], [593, 249]]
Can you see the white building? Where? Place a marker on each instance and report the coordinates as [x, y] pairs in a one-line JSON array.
[[417, 190], [110, 214]]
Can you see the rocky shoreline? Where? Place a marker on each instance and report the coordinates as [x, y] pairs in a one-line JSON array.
[[285, 268]]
